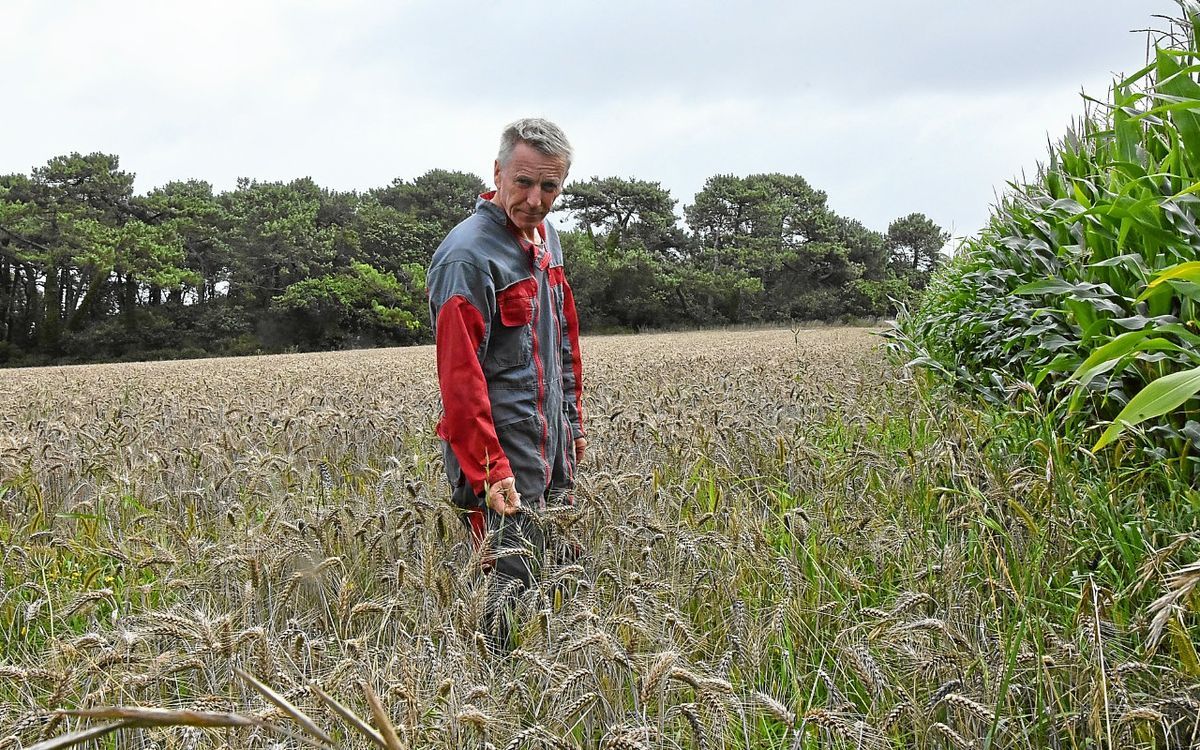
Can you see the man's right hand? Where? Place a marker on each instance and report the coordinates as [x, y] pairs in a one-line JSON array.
[[503, 498]]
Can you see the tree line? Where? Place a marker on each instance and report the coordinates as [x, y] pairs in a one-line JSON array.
[[91, 271]]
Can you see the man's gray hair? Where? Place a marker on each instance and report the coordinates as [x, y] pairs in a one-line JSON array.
[[542, 135]]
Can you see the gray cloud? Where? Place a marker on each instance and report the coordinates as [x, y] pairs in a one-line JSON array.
[[888, 107], [868, 49]]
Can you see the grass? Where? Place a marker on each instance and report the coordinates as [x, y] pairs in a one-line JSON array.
[[789, 546]]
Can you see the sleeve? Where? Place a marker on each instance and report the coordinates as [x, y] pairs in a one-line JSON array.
[[462, 302], [572, 364]]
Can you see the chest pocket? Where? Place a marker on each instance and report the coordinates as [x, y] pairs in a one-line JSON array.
[[511, 343]]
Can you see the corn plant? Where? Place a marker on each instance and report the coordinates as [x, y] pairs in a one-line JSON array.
[[1083, 290]]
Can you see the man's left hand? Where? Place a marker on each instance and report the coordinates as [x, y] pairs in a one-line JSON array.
[[580, 446]]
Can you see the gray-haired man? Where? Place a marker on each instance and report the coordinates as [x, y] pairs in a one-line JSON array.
[[508, 355]]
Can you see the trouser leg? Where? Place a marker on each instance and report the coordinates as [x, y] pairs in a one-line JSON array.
[[562, 467], [561, 492], [518, 547], [513, 548], [512, 552]]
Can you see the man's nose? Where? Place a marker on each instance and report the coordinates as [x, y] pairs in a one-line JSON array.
[[533, 196]]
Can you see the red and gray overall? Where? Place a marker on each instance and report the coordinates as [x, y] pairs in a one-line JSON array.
[[510, 374]]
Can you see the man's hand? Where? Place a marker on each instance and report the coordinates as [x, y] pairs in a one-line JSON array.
[[580, 447], [503, 498]]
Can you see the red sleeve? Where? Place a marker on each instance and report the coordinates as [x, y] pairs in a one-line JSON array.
[[467, 425], [575, 382]]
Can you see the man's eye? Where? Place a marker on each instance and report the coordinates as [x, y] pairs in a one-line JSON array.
[[549, 187], [524, 182]]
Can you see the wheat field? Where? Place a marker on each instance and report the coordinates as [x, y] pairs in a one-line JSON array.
[[783, 549]]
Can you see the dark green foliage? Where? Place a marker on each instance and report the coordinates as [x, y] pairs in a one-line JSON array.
[[914, 245], [355, 307], [76, 247], [626, 212], [439, 197], [763, 248], [276, 238], [91, 271], [778, 231]]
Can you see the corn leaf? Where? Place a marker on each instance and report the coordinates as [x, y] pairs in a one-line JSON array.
[[1156, 399], [1050, 286], [1183, 272], [1106, 357]]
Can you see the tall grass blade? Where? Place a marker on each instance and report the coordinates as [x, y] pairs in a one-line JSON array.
[[284, 705], [136, 716], [349, 716], [386, 730]]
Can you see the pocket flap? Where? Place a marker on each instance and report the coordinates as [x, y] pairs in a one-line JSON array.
[[516, 303]]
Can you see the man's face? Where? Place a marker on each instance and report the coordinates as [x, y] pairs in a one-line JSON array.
[[528, 185]]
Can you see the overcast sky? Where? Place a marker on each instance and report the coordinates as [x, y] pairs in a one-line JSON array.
[[890, 108]]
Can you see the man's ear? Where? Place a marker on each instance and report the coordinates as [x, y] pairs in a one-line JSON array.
[[496, 173]]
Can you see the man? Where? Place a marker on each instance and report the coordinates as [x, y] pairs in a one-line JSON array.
[[508, 359]]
